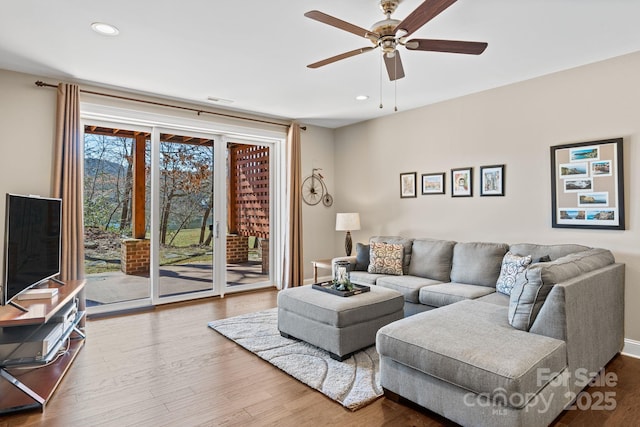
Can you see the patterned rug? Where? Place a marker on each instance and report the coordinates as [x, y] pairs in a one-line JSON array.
[[353, 383]]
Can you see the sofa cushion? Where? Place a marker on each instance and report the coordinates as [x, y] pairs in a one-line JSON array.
[[552, 251], [448, 293], [362, 257], [406, 243], [497, 298], [385, 258], [431, 259], [477, 263], [512, 265], [408, 286], [365, 278], [532, 287], [471, 345]]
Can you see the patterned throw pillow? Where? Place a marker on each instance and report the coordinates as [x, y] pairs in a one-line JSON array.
[[512, 265], [385, 258]]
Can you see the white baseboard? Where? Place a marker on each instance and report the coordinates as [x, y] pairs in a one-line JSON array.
[[631, 348]]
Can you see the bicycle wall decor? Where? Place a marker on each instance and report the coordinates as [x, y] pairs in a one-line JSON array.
[[314, 189]]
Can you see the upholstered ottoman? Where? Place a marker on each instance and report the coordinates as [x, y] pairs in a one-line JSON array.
[[339, 325]]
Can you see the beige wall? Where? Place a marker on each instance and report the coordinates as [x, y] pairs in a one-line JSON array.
[[319, 221], [27, 126], [514, 125]]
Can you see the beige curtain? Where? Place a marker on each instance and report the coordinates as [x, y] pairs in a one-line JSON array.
[[67, 180], [293, 274]]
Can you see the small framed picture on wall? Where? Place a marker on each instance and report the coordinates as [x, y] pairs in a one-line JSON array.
[[462, 182], [433, 183], [492, 180], [408, 185]]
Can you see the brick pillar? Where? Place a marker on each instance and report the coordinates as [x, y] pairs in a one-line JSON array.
[[264, 245], [237, 249], [136, 256]]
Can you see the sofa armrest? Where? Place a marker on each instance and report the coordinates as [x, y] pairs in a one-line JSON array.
[[587, 312], [351, 259]]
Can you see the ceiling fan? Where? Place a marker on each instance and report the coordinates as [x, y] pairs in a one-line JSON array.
[[390, 33]]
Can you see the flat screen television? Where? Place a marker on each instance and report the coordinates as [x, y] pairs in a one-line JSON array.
[[32, 243]]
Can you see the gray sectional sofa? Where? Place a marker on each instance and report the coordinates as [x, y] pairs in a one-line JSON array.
[[512, 355]]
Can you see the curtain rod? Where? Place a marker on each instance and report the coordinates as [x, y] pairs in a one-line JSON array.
[[40, 83]]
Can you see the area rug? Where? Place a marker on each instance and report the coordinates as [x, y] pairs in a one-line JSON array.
[[354, 383]]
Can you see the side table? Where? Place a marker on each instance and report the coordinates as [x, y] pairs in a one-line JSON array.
[[320, 263]]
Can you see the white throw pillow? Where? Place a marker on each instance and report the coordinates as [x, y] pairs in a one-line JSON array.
[[512, 265]]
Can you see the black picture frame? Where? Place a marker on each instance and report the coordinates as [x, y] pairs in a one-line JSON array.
[[587, 185], [408, 185], [462, 182], [492, 180], [433, 183]]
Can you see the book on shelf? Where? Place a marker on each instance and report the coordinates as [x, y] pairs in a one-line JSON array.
[[39, 293]]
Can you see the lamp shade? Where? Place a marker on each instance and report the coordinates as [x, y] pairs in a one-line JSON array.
[[347, 221]]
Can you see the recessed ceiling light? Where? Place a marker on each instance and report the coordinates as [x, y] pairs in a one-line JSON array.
[[362, 97], [105, 29]]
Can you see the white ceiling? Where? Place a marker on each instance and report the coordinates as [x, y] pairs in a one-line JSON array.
[[255, 52]]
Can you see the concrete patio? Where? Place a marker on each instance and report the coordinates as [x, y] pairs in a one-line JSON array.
[[108, 288]]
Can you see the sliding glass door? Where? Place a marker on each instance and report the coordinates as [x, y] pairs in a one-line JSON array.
[[174, 214], [249, 221], [186, 202]]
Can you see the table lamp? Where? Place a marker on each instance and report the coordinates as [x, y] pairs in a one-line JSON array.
[[347, 222]]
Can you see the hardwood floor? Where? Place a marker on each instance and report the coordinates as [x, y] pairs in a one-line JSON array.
[[167, 368]]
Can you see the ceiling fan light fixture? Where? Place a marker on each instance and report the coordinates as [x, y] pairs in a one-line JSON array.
[[362, 97], [105, 29], [412, 45]]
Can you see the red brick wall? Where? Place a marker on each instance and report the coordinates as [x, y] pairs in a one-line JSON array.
[[136, 256], [237, 248]]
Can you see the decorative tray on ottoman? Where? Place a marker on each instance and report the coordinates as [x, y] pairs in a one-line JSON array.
[[327, 287]]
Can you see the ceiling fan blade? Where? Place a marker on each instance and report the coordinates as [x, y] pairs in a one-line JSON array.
[[339, 23], [451, 46], [394, 66], [423, 14], [339, 57]]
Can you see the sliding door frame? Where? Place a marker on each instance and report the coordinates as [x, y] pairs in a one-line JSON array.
[[221, 133]]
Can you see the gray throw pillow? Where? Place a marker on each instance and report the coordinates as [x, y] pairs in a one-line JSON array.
[[362, 257]]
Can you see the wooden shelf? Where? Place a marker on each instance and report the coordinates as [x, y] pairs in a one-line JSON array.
[[41, 379], [40, 310]]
